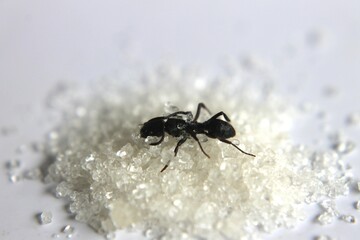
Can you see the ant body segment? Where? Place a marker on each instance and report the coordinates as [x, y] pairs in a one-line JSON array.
[[175, 125]]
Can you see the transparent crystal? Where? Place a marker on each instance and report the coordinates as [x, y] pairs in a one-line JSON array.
[[322, 237], [33, 174], [13, 178], [68, 229], [357, 205], [348, 218], [326, 218], [45, 218], [55, 235], [62, 190], [111, 236], [353, 119], [344, 147], [121, 153], [90, 158], [21, 149], [13, 164]]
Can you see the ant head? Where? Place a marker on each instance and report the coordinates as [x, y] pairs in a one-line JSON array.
[[154, 127]]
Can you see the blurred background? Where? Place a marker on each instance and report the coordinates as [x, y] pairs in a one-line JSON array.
[[309, 49]]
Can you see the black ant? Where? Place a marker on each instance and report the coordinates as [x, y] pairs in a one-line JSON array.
[[175, 125]]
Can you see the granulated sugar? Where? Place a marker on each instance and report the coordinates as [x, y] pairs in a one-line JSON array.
[[113, 180]]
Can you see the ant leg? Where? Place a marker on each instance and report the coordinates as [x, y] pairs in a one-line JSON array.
[[158, 142], [178, 145], [175, 151], [228, 142], [188, 113], [220, 114], [163, 169], [200, 105], [197, 140]]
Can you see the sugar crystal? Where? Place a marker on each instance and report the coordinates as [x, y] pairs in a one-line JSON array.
[[45, 218], [13, 178], [55, 235], [353, 119], [12, 164], [348, 218], [68, 229], [33, 174], [112, 176], [357, 205], [323, 237], [326, 218]]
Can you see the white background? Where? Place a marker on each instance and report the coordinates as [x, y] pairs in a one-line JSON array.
[[43, 42]]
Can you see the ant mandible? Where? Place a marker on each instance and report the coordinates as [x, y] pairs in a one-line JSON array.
[[175, 125]]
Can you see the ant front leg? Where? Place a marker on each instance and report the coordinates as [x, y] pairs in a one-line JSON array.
[[218, 115], [178, 145], [158, 142], [200, 106], [197, 140], [175, 151]]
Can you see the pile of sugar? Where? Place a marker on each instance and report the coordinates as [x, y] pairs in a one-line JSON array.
[[112, 176]]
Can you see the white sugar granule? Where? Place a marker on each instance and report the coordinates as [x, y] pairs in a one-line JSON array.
[[112, 176], [45, 217]]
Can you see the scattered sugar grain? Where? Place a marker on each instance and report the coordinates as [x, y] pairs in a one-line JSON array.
[[45, 218], [55, 235], [32, 174], [111, 236], [69, 231], [324, 237], [344, 147], [348, 218], [14, 178], [37, 147], [353, 119], [12, 164], [357, 205], [21, 149], [326, 218]]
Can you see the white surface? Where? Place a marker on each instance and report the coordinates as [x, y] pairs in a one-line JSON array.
[[42, 42]]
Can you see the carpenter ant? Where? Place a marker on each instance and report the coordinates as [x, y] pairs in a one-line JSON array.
[[175, 125]]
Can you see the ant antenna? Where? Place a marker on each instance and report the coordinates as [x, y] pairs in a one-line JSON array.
[[228, 142]]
